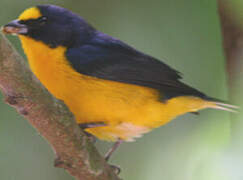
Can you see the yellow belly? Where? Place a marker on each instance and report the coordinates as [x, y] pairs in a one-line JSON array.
[[127, 110]]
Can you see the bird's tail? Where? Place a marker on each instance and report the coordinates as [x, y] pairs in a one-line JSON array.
[[224, 106]]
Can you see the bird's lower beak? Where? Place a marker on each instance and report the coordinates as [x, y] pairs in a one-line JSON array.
[[14, 27]]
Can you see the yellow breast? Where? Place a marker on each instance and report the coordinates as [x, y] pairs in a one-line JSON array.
[[128, 110]]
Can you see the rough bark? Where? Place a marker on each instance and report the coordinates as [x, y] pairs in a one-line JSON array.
[[50, 117]]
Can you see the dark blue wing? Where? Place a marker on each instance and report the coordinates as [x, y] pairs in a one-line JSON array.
[[108, 58]]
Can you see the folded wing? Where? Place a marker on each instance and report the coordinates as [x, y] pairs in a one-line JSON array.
[[108, 58]]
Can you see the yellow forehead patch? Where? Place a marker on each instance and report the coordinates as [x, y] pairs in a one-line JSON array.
[[31, 13]]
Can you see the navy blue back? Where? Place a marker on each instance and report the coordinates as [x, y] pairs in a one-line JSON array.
[[107, 58]]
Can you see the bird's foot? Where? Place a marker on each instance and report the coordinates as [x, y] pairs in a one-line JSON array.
[[116, 169], [91, 138]]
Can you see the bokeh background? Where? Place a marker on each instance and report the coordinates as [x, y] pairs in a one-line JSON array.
[[186, 34]]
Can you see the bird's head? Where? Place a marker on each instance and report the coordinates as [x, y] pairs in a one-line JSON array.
[[50, 24]]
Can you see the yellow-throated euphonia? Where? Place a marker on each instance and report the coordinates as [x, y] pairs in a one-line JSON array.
[[115, 92]]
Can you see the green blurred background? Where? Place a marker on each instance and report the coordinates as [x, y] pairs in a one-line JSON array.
[[183, 33]]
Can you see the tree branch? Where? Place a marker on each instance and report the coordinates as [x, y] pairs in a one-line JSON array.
[[232, 34], [50, 117]]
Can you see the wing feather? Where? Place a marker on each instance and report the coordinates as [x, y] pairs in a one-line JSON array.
[[108, 58]]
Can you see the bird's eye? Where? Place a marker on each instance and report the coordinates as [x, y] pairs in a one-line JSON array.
[[42, 20], [34, 22]]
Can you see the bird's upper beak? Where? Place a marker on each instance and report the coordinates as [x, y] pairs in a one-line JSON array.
[[15, 27]]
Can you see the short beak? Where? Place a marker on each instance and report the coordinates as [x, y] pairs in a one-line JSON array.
[[14, 27]]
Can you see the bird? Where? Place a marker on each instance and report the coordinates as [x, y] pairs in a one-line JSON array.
[[115, 92]]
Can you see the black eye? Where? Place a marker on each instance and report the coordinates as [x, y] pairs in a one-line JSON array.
[[42, 20], [34, 23]]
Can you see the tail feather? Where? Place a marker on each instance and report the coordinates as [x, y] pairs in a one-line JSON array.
[[225, 107]]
